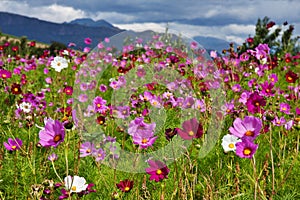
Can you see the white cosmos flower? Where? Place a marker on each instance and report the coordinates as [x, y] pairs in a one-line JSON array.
[[77, 184], [25, 107], [229, 141], [59, 63]]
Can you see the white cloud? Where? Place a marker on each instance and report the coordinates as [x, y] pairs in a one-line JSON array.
[[112, 17], [232, 32], [54, 13]]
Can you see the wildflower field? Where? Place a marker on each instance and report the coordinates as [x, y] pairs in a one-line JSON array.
[[151, 117]]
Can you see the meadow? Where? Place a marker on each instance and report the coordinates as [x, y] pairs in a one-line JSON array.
[[158, 117]]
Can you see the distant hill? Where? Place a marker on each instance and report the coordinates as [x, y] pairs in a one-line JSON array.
[[46, 32], [76, 31], [92, 23], [212, 43]]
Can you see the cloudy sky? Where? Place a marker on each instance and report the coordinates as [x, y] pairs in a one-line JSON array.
[[232, 20]]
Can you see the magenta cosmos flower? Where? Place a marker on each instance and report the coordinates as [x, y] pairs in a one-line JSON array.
[[99, 105], [246, 148], [248, 128], [53, 134], [255, 102], [125, 185], [191, 129], [13, 144], [157, 170]]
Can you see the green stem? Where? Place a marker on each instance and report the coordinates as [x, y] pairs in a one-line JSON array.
[[272, 163], [16, 176], [56, 172], [254, 177]]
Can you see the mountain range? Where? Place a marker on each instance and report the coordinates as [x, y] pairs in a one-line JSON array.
[[75, 31]]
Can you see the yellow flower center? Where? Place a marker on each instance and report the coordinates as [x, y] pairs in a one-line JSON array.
[[98, 105], [88, 151], [73, 188], [16, 89], [284, 108], [247, 151], [272, 79], [257, 104], [144, 141], [58, 64], [267, 90], [4, 76], [158, 172], [249, 133], [231, 145], [14, 147], [191, 133], [290, 78], [57, 138], [127, 188]]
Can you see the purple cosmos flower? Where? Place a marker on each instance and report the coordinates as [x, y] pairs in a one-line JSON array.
[[279, 121], [191, 129], [52, 157], [53, 134], [236, 88], [157, 170], [86, 149], [99, 154], [141, 72], [248, 128], [273, 78], [228, 107], [246, 148], [143, 142], [289, 125], [244, 97], [255, 102], [267, 89], [115, 85], [13, 144], [188, 102], [82, 98], [200, 105], [122, 112], [99, 105], [102, 88], [285, 108], [139, 128]]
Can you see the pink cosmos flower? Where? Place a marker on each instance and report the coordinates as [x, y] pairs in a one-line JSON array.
[[143, 142], [249, 127], [87, 41], [157, 170], [191, 129], [13, 144], [99, 104], [52, 134], [246, 148], [285, 108]]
